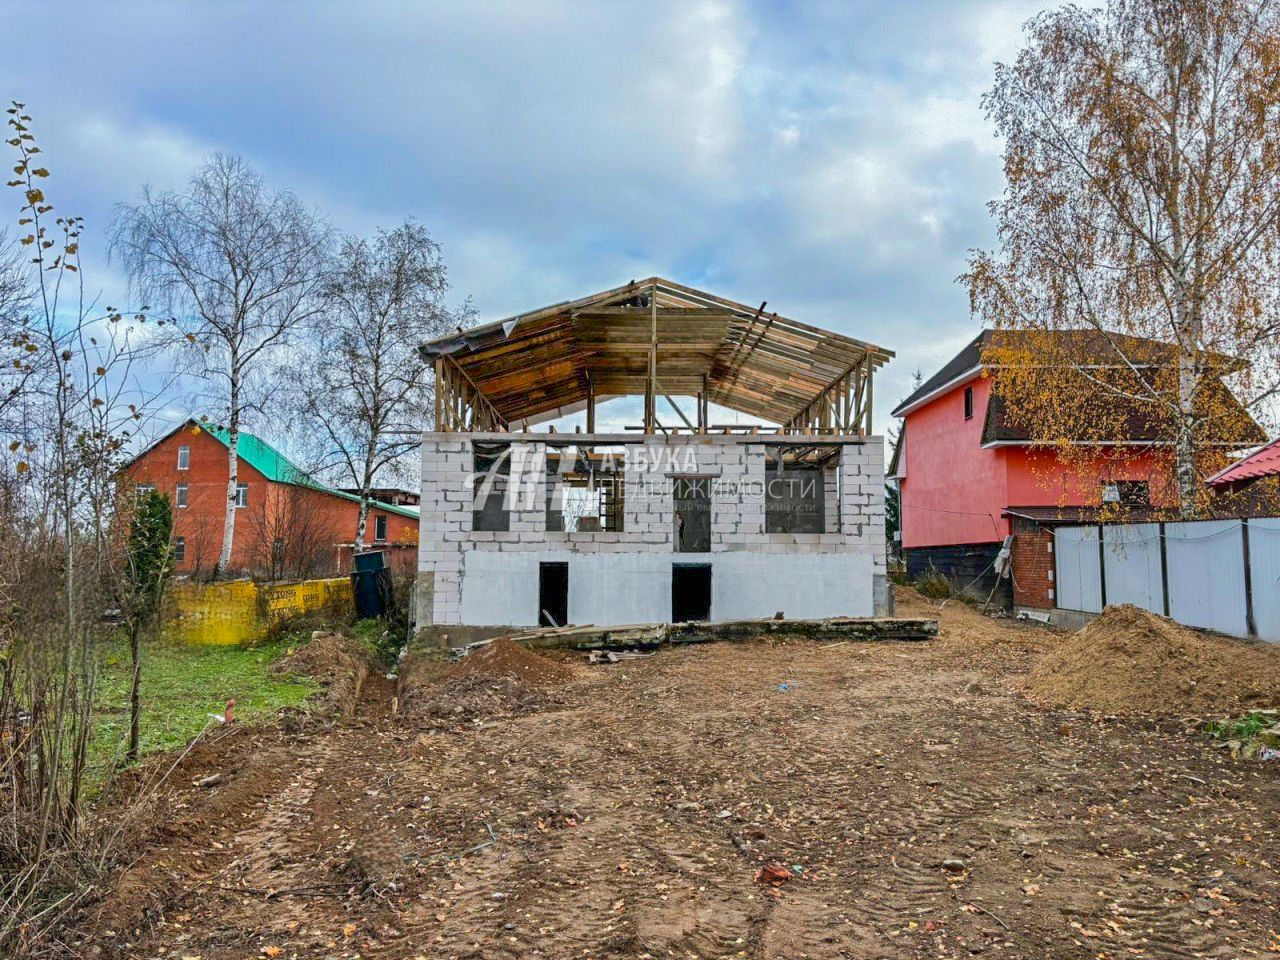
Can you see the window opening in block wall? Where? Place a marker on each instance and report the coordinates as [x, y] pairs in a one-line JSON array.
[[491, 472], [800, 482], [586, 490], [691, 501]]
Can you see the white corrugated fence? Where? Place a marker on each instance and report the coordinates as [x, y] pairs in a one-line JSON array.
[[1222, 575]]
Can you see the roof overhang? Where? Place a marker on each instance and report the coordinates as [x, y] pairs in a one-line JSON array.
[[534, 366], [971, 374], [1050, 444]]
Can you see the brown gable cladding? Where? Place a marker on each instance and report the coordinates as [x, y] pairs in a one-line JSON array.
[[1234, 426]]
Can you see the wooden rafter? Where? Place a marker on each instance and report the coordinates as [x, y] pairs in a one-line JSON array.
[[461, 406], [655, 337]]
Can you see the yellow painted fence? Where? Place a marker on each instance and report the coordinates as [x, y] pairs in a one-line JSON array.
[[242, 611]]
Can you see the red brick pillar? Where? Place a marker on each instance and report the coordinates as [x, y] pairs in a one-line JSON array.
[[1033, 574]]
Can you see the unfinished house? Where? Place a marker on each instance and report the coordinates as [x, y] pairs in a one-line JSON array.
[[673, 518]]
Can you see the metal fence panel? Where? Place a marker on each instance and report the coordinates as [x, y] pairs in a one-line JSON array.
[[1132, 556], [1264, 564], [1077, 582], [1206, 575]]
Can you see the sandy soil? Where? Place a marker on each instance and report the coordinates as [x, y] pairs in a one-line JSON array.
[[1131, 661], [923, 807]]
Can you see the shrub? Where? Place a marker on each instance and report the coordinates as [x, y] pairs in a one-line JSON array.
[[935, 584]]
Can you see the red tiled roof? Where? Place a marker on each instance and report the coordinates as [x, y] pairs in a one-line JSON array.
[[1263, 463]]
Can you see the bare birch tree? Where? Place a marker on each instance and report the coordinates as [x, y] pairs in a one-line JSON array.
[[1142, 214], [368, 385], [241, 269]]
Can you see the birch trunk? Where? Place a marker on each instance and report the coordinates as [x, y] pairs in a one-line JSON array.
[[366, 485], [229, 521], [363, 521], [233, 476], [1185, 441]]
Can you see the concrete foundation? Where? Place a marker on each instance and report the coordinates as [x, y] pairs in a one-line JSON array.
[[1070, 619], [491, 577]]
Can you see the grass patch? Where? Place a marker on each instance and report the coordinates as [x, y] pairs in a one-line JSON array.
[[379, 639], [1256, 735], [182, 684]]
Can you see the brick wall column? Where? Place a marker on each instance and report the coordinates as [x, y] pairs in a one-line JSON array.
[[1033, 569]]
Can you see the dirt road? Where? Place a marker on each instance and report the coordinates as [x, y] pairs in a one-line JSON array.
[[924, 808]]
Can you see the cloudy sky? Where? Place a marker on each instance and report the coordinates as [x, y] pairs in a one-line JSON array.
[[829, 157]]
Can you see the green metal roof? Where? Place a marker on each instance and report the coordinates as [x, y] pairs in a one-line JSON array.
[[275, 466]]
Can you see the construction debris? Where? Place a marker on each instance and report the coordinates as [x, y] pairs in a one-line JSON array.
[[648, 635], [615, 656]]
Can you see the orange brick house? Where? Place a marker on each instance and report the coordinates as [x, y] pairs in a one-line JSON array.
[[288, 527]]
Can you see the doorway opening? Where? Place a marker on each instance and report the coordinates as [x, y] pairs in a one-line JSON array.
[[690, 592], [553, 594]]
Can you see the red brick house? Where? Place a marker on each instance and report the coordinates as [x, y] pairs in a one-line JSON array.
[[288, 527], [969, 478]]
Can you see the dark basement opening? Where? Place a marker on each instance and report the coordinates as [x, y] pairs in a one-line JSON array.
[[690, 592], [553, 594]]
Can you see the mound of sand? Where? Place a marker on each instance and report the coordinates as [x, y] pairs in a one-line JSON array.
[[500, 679], [338, 664], [1130, 661]]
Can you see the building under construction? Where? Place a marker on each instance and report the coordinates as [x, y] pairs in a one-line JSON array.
[[675, 517]]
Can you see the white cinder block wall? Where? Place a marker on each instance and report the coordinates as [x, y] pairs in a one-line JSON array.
[[491, 578]]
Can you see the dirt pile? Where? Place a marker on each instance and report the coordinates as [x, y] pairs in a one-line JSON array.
[[506, 658], [1130, 661], [499, 679], [968, 636], [338, 664]]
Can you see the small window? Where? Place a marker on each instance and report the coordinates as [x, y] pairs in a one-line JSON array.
[[1127, 493], [380, 527], [179, 549], [585, 502], [968, 403], [180, 495], [184, 458], [144, 490], [242, 494]]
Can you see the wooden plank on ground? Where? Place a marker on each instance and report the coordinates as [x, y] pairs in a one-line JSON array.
[[862, 629]]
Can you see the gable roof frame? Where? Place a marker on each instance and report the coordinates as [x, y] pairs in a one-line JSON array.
[[724, 352]]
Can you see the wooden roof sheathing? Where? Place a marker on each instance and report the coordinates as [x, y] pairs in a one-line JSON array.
[[756, 362]]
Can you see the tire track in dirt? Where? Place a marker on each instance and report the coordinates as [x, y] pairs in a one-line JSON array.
[[633, 820]]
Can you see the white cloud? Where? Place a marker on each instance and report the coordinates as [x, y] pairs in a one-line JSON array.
[[123, 155], [830, 157]]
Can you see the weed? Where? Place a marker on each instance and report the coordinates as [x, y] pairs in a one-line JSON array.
[[935, 584], [379, 638], [1243, 729]]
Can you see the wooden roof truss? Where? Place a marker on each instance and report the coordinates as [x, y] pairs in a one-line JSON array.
[[656, 339]]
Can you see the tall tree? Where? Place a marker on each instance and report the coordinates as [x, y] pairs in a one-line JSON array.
[[369, 387], [241, 268], [148, 564], [1142, 160]]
